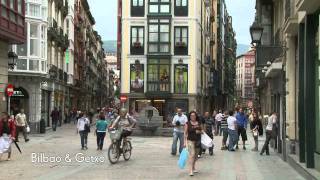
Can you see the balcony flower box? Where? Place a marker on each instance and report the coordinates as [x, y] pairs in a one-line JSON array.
[[137, 45], [181, 44]]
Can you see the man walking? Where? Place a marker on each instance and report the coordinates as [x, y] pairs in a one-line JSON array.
[[242, 127], [179, 120], [224, 129], [219, 118], [208, 126], [55, 118], [272, 120], [21, 125]]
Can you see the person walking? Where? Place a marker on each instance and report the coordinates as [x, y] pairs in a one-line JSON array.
[[178, 122], [232, 131], [7, 134], [192, 139], [208, 126], [242, 127], [257, 129], [272, 120], [55, 118], [224, 129], [60, 117], [21, 125], [81, 129], [101, 128], [219, 118]]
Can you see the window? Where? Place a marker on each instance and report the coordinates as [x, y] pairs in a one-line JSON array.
[[181, 40], [137, 40], [34, 10], [33, 65], [159, 36], [22, 49], [159, 6], [4, 9], [34, 40], [137, 8], [181, 8], [158, 75], [22, 64]]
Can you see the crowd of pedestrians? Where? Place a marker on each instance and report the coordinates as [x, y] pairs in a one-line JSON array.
[[231, 125]]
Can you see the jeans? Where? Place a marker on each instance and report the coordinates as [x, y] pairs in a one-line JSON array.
[[54, 125], [83, 138], [225, 136], [255, 142], [100, 139], [265, 147], [177, 135], [233, 139], [218, 128]]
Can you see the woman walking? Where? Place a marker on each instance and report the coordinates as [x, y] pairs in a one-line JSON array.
[[101, 127], [82, 125], [192, 136], [257, 129], [7, 134]]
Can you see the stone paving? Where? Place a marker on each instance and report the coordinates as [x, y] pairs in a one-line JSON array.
[[151, 159]]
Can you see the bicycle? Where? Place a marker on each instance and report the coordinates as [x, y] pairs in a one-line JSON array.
[[114, 150]]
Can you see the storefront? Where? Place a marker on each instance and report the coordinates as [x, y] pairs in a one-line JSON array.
[[19, 100]]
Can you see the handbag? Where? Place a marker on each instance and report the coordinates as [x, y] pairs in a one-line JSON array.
[[255, 133], [87, 128], [206, 141], [28, 129], [184, 155]]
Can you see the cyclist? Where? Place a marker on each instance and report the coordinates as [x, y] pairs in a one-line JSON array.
[[125, 123]]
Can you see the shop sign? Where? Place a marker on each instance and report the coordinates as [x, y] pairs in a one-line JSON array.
[[10, 90], [123, 98]]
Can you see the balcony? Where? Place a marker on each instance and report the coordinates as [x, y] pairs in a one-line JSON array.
[[181, 10], [137, 11], [137, 49], [310, 6], [180, 48]]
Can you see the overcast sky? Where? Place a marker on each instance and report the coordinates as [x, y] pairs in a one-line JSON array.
[[105, 14]]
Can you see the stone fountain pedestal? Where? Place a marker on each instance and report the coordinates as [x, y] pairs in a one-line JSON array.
[[149, 122]]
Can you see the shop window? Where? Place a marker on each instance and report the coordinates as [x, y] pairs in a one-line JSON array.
[[158, 75], [137, 8], [137, 40], [181, 78], [181, 7], [159, 36], [181, 40]]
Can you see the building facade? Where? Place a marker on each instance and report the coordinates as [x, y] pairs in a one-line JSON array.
[[245, 78], [289, 82], [30, 72], [12, 31], [165, 54]]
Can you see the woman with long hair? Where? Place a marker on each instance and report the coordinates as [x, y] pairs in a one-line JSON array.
[[192, 140]]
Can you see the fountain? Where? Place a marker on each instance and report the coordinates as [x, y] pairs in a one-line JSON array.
[[149, 121]]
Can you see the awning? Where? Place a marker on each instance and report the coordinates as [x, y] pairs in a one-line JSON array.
[[274, 69]]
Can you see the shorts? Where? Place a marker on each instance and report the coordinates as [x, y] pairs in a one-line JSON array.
[[193, 149], [243, 132]]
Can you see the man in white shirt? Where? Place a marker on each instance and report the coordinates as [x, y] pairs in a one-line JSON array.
[[21, 125], [272, 120], [219, 118], [232, 131], [179, 121]]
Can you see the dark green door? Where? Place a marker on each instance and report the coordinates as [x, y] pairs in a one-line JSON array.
[[317, 94]]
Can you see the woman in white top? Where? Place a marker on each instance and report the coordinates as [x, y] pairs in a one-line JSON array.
[[82, 122], [272, 120], [232, 131]]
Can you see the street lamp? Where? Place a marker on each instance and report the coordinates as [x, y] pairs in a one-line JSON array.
[[256, 32], [12, 59]]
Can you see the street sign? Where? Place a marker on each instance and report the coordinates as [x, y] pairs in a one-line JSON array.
[[67, 56], [10, 90], [123, 98]]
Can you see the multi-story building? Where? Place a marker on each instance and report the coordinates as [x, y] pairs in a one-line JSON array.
[[29, 76], [287, 63], [224, 51], [89, 57], [245, 77], [12, 31], [165, 54]]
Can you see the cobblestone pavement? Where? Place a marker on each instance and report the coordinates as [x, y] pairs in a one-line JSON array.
[[151, 159]]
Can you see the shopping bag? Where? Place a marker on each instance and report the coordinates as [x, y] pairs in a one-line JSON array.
[[28, 129], [5, 143], [206, 141], [183, 158]]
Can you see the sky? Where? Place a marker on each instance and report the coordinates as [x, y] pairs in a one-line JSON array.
[[105, 14]]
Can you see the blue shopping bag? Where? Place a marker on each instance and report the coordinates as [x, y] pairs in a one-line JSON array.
[[183, 158]]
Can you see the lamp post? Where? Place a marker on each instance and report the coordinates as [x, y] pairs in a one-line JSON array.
[[256, 33], [12, 59]]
